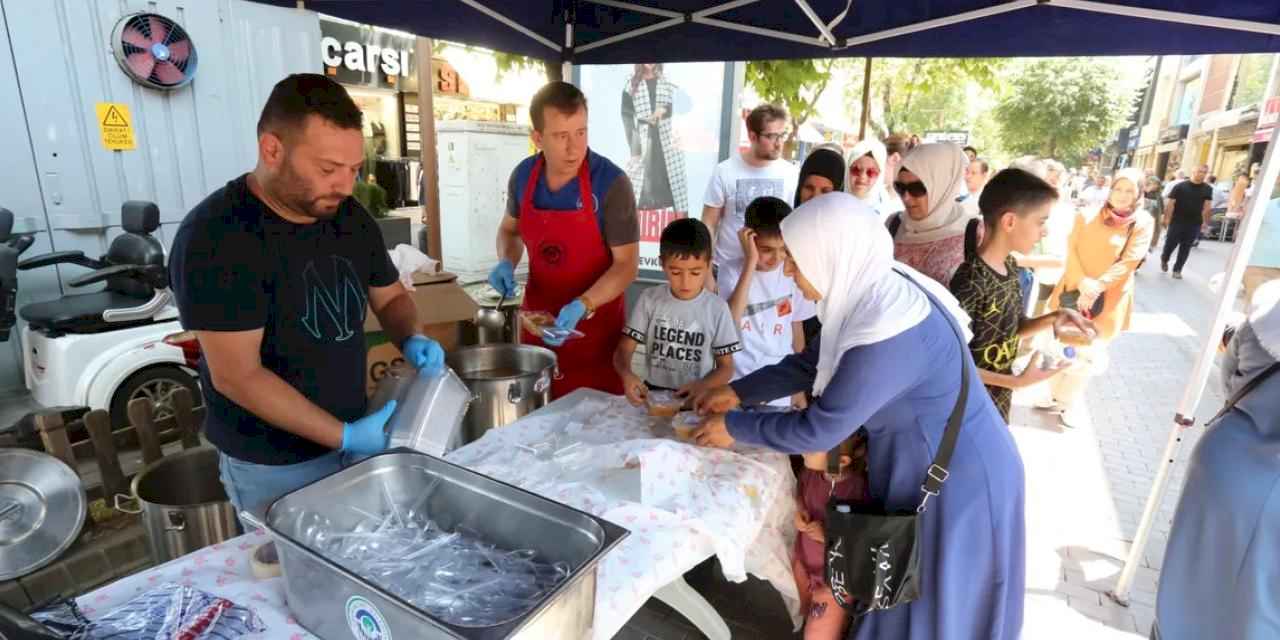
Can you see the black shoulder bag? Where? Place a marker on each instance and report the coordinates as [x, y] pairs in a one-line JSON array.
[[873, 556]]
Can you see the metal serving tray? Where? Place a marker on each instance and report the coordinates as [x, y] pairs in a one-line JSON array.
[[331, 602]]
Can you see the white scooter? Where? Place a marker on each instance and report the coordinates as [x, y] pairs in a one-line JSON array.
[[105, 349]]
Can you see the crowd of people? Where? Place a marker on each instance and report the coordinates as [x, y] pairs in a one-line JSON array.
[[891, 250], [837, 311]]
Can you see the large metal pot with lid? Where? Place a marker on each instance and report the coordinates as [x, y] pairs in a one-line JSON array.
[[507, 382], [183, 504]]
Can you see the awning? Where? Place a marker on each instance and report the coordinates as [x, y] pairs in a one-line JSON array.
[[617, 31]]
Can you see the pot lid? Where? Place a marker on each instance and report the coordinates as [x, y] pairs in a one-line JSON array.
[[42, 507]]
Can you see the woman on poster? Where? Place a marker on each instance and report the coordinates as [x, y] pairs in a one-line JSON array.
[[656, 168]]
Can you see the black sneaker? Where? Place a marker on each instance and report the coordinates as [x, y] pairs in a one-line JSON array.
[[1164, 266]]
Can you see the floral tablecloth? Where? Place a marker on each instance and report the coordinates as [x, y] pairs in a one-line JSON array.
[[681, 503]]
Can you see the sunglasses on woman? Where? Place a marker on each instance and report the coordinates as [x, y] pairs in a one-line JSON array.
[[916, 189], [858, 172]]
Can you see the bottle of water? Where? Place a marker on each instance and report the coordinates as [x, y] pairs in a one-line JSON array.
[[1057, 356]]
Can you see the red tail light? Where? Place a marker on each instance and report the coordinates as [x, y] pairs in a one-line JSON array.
[[190, 346]]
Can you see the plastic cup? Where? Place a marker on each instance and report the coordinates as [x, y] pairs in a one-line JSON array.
[[663, 404], [685, 424]]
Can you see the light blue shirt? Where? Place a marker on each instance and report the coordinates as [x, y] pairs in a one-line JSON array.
[[1266, 253]]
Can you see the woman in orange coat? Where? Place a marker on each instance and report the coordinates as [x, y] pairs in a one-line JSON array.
[[1104, 251]]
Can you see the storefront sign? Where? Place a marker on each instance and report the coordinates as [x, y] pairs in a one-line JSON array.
[[958, 137], [1173, 134], [362, 55]]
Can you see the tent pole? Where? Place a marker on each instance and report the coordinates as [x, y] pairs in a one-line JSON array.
[[475, 4], [866, 100], [1246, 237], [566, 67], [986, 12], [428, 154]]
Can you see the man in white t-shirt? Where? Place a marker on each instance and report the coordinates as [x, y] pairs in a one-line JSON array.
[[765, 302], [756, 172]]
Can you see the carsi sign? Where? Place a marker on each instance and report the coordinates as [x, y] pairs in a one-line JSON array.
[[362, 55]]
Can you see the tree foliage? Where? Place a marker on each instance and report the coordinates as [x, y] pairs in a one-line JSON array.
[[915, 95], [794, 85], [1062, 107]]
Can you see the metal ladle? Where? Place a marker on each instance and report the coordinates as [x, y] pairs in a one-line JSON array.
[[492, 318]]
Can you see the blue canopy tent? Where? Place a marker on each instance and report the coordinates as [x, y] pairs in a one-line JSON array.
[[616, 32]]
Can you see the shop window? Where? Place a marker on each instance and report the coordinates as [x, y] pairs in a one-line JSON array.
[[1251, 80]]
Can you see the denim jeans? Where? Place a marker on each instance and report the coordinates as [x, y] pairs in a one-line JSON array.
[[253, 487]]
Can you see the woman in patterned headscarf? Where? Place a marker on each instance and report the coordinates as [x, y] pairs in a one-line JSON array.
[[656, 168]]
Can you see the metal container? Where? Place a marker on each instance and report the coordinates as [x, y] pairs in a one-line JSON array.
[[486, 328], [183, 504], [429, 409], [507, 381], [331, 602], [42, 507]]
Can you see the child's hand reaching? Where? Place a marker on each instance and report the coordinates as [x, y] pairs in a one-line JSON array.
[[691, 390], [634, 387]]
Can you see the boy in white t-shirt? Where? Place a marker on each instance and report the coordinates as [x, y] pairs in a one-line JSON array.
[[766, 304], [689, 336]]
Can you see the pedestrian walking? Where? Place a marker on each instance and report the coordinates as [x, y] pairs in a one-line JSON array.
[[1187, 208]]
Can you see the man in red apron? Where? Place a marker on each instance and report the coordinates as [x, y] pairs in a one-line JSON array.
[[576, 213]]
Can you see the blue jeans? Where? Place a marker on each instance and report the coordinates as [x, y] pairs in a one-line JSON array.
[[253, 487]]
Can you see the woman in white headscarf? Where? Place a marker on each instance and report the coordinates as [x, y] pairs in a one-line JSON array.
[[935, 233], [890, 356], [1221, 572], [867, 162]]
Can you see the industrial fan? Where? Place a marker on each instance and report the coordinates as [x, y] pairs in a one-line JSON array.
[[154, 50]]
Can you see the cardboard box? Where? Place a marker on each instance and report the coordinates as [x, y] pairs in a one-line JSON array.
[[443, 310]]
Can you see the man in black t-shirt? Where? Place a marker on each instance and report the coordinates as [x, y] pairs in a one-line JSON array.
[[1186, 210], [274, 272]]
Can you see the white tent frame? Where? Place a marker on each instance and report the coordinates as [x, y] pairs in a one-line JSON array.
[[826, 41]]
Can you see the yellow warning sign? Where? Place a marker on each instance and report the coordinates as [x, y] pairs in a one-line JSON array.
[[116, 126]]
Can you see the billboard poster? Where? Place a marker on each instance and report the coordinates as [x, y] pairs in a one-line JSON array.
[[661, 123]]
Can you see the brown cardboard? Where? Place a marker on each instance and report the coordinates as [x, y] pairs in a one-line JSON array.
[[443, 307]]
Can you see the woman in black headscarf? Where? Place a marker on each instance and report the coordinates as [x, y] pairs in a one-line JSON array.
[[822, 172]]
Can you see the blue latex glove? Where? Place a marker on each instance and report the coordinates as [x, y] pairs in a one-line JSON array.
[[368, 435], [424, 354], [503, 278], [570, 315]]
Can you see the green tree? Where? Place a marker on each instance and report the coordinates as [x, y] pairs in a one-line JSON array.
[[1063, 107], [931, 93], [794, 85]]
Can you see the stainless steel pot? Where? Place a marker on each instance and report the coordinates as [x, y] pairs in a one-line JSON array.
[[183, 504], [507, 382]]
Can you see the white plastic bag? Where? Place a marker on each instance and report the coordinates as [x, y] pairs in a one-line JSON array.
[[408, 261]]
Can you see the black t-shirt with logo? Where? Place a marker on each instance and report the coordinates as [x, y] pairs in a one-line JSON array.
[[994, 303], [1188, 203], [236, 265]]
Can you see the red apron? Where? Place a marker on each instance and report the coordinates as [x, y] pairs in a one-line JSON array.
[[567, 254]]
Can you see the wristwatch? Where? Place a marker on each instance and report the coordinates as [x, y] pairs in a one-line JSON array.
[[591, 309]]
